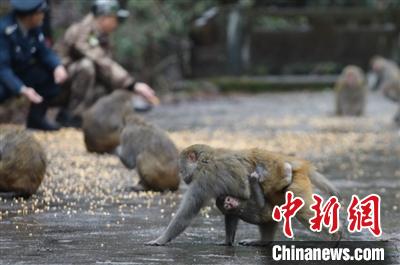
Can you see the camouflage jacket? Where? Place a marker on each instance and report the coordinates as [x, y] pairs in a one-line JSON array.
[[83, 40]]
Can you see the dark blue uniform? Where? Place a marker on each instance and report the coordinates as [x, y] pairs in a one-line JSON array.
[[25, 60]]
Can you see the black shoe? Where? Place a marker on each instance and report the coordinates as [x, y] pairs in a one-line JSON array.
[[37, 118], [43, 125], [65, 119]]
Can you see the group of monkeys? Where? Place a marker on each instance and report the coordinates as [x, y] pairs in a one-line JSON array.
[[245, 184], [352, 86]]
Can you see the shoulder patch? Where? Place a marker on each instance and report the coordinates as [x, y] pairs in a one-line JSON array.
[[41, 37], [10, 29]]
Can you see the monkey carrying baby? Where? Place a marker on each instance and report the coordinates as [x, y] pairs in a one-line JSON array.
[[22, 163], [212, 173]]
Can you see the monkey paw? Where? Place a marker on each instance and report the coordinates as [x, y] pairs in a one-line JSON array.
[[260, 174], [254, 243], [224, 243], [254, 176], [154, 243], [230, 203]]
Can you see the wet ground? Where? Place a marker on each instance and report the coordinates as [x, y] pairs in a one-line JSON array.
[[80, 215]]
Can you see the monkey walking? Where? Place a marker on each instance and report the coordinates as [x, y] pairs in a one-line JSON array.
[[22, 163], [103, 122], [149, 149], [351, 92], [211, 173]]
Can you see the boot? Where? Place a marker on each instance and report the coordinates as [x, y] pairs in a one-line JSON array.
[[37, 118], [65, 119]]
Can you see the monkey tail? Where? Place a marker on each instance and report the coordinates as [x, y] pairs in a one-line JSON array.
[[323, 183]]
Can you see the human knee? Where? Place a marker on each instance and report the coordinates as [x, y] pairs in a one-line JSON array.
[[84, 66]]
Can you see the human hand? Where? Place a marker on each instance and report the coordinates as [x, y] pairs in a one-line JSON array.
[[31, 94], [60, 74], [147, 92]]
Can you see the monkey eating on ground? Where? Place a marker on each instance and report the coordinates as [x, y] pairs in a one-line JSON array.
[[149, 149], [211, 173], [103, 122], [22, 163], [351, 92], [388, 76]]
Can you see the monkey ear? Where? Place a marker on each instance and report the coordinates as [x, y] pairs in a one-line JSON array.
[[192, 157]]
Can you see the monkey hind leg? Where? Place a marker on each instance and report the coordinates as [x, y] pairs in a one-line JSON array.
[[155, 175], [231, 223], [267, 233]]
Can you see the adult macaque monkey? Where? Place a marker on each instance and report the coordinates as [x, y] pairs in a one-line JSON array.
[[388, 74], [351, 92], [104, 121], [211, 173], [22, 163], [149, 149]]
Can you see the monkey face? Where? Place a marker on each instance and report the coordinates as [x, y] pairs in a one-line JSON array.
[[187, 166], [231, 203], [186, 169], [189, 161]]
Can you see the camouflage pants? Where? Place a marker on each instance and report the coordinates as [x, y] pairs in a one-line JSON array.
[[83, 87]]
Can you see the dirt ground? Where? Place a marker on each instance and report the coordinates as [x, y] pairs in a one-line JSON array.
[[80, 215]]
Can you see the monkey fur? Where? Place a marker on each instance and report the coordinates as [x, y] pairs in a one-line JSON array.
[[212, 172], [103, 122], [388, 75], [22, 163], [149, 149], [351, 92]]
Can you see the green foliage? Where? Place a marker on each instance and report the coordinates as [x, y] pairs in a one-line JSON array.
[[281, 23], [154, 24]]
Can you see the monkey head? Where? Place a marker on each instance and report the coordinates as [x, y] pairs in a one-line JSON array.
[[353, 76], [377, 64], [231, 205], [192, 159]]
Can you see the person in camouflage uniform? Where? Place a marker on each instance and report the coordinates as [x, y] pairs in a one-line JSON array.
[[86, 53]]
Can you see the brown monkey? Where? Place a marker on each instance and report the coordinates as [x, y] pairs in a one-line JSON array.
[[22, 163], [388, 75], [103, 122], [351, 92], [211, 173], [150, 150]]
